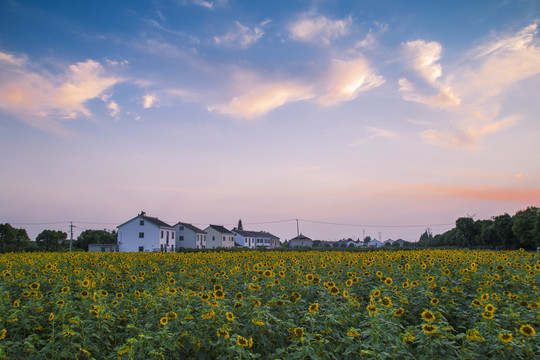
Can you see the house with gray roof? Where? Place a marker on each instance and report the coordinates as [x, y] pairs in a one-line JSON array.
[[189, 236], [300, 240], [218, 236], [146, 233], [255, 239]]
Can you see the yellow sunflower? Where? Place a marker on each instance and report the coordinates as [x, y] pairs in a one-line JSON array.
[[527, 330], [429, 329], [428, 316]]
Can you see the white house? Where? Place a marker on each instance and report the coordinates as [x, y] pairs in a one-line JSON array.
[[145, 233], [375, 243], [254, 239], [189, 236], [300, 240], [218, 236]]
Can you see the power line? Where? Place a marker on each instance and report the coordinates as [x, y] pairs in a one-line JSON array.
[[374, 226]]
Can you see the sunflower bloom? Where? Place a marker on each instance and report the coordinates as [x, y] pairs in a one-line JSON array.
[[230, 316], [506, 337], [428, 316], [313, 307], [399, 312], [408, 338], [487, 315], [242, 341], [353, 334], [527, 330], [223, 333], [386, 302], [34, 286], [429, 329], [163, 321]]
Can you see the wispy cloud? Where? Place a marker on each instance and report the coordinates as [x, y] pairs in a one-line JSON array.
[[424, 57], [149, 100], [114, 109], [472, 91], [343, 81], [41, 98], [375, 133], [347, 78], [319, 28], [263, 99], [241, 36]]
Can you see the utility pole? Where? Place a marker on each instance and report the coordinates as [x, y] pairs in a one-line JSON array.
[[71, 237]]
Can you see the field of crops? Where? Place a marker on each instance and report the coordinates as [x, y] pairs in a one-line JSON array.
[[424, 304]]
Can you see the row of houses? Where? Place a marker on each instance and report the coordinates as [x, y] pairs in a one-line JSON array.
[[145, 233]]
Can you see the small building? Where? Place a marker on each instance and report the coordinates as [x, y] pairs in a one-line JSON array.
[[189, 236], [375, 243], [218, 236], [300, 240], [255, 239], [103, 247], [145, 233]]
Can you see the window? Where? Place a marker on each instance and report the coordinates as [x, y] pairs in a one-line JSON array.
[[141, 222], [172, 248], [213, 238], [161, 247], [181, 238], [141, 235], [181, 228], [162, 234], [141, 248]]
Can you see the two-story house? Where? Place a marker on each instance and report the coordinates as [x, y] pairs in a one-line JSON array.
[[145, 233], [189, 236], [218, 236]]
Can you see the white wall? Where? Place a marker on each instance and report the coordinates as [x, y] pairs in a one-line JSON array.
[[192, 240], [129, 240]]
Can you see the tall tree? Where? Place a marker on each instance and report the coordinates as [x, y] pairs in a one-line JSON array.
[[12, 239], [51, 240], [525, 227], [466, 228], [503, 225], [88, 237]]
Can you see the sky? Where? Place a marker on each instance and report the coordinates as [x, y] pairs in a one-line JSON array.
[[361, 117]]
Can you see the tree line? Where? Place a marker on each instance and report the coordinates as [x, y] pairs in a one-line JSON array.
[[14, 240], [522, 230]]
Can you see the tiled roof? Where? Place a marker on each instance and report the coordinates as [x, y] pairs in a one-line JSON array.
[[153, 220], [191, 227], [260, 234], [220, 229], [156, 221], [301, 237]]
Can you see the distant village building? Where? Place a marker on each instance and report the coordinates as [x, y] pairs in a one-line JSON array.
[[218, 236], [374, 243], [300, 240], [102, 247], [254, 239], [145, 233], [189, 236]]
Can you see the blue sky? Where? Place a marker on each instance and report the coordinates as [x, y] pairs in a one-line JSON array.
[[380, 114]]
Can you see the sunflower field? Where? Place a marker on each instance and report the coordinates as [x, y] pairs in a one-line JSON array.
[[417, 304]]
